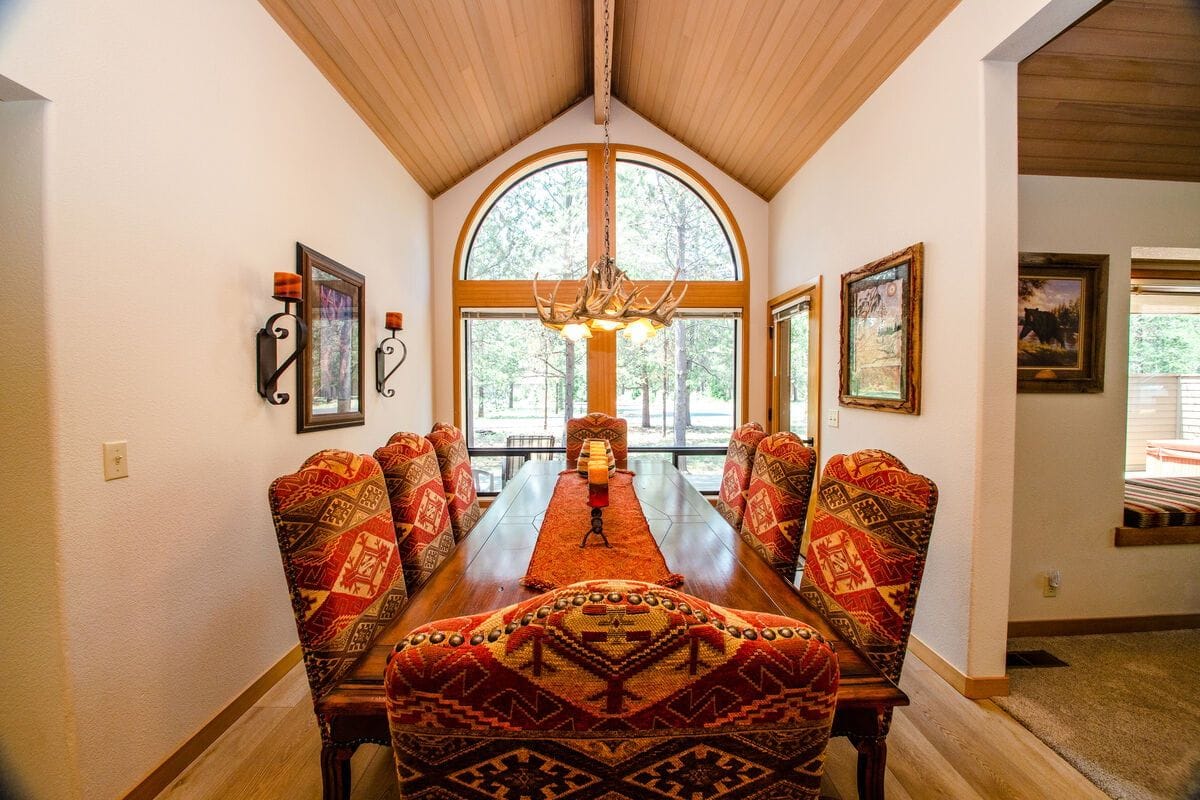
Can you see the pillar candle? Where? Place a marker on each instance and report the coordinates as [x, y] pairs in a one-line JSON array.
[[287, 286], [395, 321]]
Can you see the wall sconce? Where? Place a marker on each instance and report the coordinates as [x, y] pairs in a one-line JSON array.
[[394, 321], [288, 290]]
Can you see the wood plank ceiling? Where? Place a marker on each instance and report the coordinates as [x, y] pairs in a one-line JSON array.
[[754, 86], [1117, 95]]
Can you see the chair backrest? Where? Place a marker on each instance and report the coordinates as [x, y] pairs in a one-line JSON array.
[[735, 479], [866, 552], [616, 686], [424, 537], [457, 478], [777, 500], [598, 426], [339, 555], [512, 464]]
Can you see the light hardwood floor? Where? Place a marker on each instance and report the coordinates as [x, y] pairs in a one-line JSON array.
[[941, 746]]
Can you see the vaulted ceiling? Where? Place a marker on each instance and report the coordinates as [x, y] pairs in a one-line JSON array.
[[754, 86], [1116, 95]]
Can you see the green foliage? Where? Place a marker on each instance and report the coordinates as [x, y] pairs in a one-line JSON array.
[[663, 225], [1164, 344], [539, 226]]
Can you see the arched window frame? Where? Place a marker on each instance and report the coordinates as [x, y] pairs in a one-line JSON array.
[[602, 348]]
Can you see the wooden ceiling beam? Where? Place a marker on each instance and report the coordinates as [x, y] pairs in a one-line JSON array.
[[602, 42]]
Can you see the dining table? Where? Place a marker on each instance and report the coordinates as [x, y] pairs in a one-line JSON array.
[[485, 570]]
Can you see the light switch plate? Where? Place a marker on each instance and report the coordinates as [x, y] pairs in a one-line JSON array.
[[116, 460], [831, 418]]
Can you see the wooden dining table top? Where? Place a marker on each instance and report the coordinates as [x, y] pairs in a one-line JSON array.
[[485, 569]]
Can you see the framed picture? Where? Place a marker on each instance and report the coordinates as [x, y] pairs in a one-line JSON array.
[[881, 333], [1061, 306], [331, 375]]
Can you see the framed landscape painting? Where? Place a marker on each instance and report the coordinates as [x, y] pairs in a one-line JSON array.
[[1061, 306], [881, 333], [331, 376]]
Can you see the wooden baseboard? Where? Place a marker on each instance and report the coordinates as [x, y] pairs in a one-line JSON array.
[[975, 688], [1140, 537], [1079, 627], [171, 767]]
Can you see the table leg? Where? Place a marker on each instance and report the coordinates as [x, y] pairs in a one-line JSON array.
[[872, 761], [335, 772]]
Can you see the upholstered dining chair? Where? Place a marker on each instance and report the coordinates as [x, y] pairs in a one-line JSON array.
[[457, 478], [735, 478], [777, 500], [611, 689], [424, 537], [598, 426], [866, 552], [344, 574]]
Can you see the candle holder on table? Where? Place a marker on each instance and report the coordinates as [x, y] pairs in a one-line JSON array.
[[597, 474]]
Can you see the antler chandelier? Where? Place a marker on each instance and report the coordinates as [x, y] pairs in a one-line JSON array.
[[607, 299]]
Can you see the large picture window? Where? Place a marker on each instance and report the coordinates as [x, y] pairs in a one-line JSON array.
[[518, 382]]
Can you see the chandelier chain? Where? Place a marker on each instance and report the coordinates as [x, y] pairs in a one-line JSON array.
[[607, 108], [607, 300]]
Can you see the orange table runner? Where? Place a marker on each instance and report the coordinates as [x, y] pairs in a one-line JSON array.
[[558, 560]]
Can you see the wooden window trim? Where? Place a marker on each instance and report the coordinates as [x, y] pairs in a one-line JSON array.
[[602, 395]]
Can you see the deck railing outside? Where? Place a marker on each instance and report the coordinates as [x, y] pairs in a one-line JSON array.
[[702, 466]]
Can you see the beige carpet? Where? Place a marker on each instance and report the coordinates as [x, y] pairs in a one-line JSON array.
[[1125, 713]]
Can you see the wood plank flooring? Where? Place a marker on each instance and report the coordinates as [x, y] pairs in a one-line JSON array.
[[942, 746]]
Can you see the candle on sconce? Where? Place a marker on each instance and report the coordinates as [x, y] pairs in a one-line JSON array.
[[394, 321], [287, 286]]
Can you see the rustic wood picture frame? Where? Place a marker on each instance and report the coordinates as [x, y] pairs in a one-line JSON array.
[[1087, 374], [869, 301], [325, 283]]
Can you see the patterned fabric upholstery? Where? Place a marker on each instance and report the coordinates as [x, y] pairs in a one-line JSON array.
[[599, 426], [777, 500], [866, 554], [739, 460], [339, 555], [423, 533], [613, 690], [457, 479]]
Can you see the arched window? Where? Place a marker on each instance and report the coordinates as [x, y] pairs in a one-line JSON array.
[[517, 382]]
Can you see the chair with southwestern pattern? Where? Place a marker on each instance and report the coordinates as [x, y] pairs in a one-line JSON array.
[[613, 690], [343, 571], [777, 500], [414, 482], [598, 426], [866, 555], [735, 480], [457, 478]]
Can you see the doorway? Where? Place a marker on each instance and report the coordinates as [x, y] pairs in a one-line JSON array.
[[795, 342]]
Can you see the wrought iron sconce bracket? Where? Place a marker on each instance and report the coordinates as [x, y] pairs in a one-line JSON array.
[[386, 348], [269, 368]]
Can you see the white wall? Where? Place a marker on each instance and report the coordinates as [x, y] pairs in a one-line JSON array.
[[577, 126], [34, 719], [931, 157], [188, 147], [1070, 449]]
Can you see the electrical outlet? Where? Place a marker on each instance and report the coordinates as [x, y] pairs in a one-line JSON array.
[[831, 417], [1051, 580], [116, 460]]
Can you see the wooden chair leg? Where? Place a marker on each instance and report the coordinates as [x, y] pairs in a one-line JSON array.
[[872, 761], [335, 772]]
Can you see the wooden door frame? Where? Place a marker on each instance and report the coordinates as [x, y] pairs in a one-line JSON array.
[[811, 288]]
